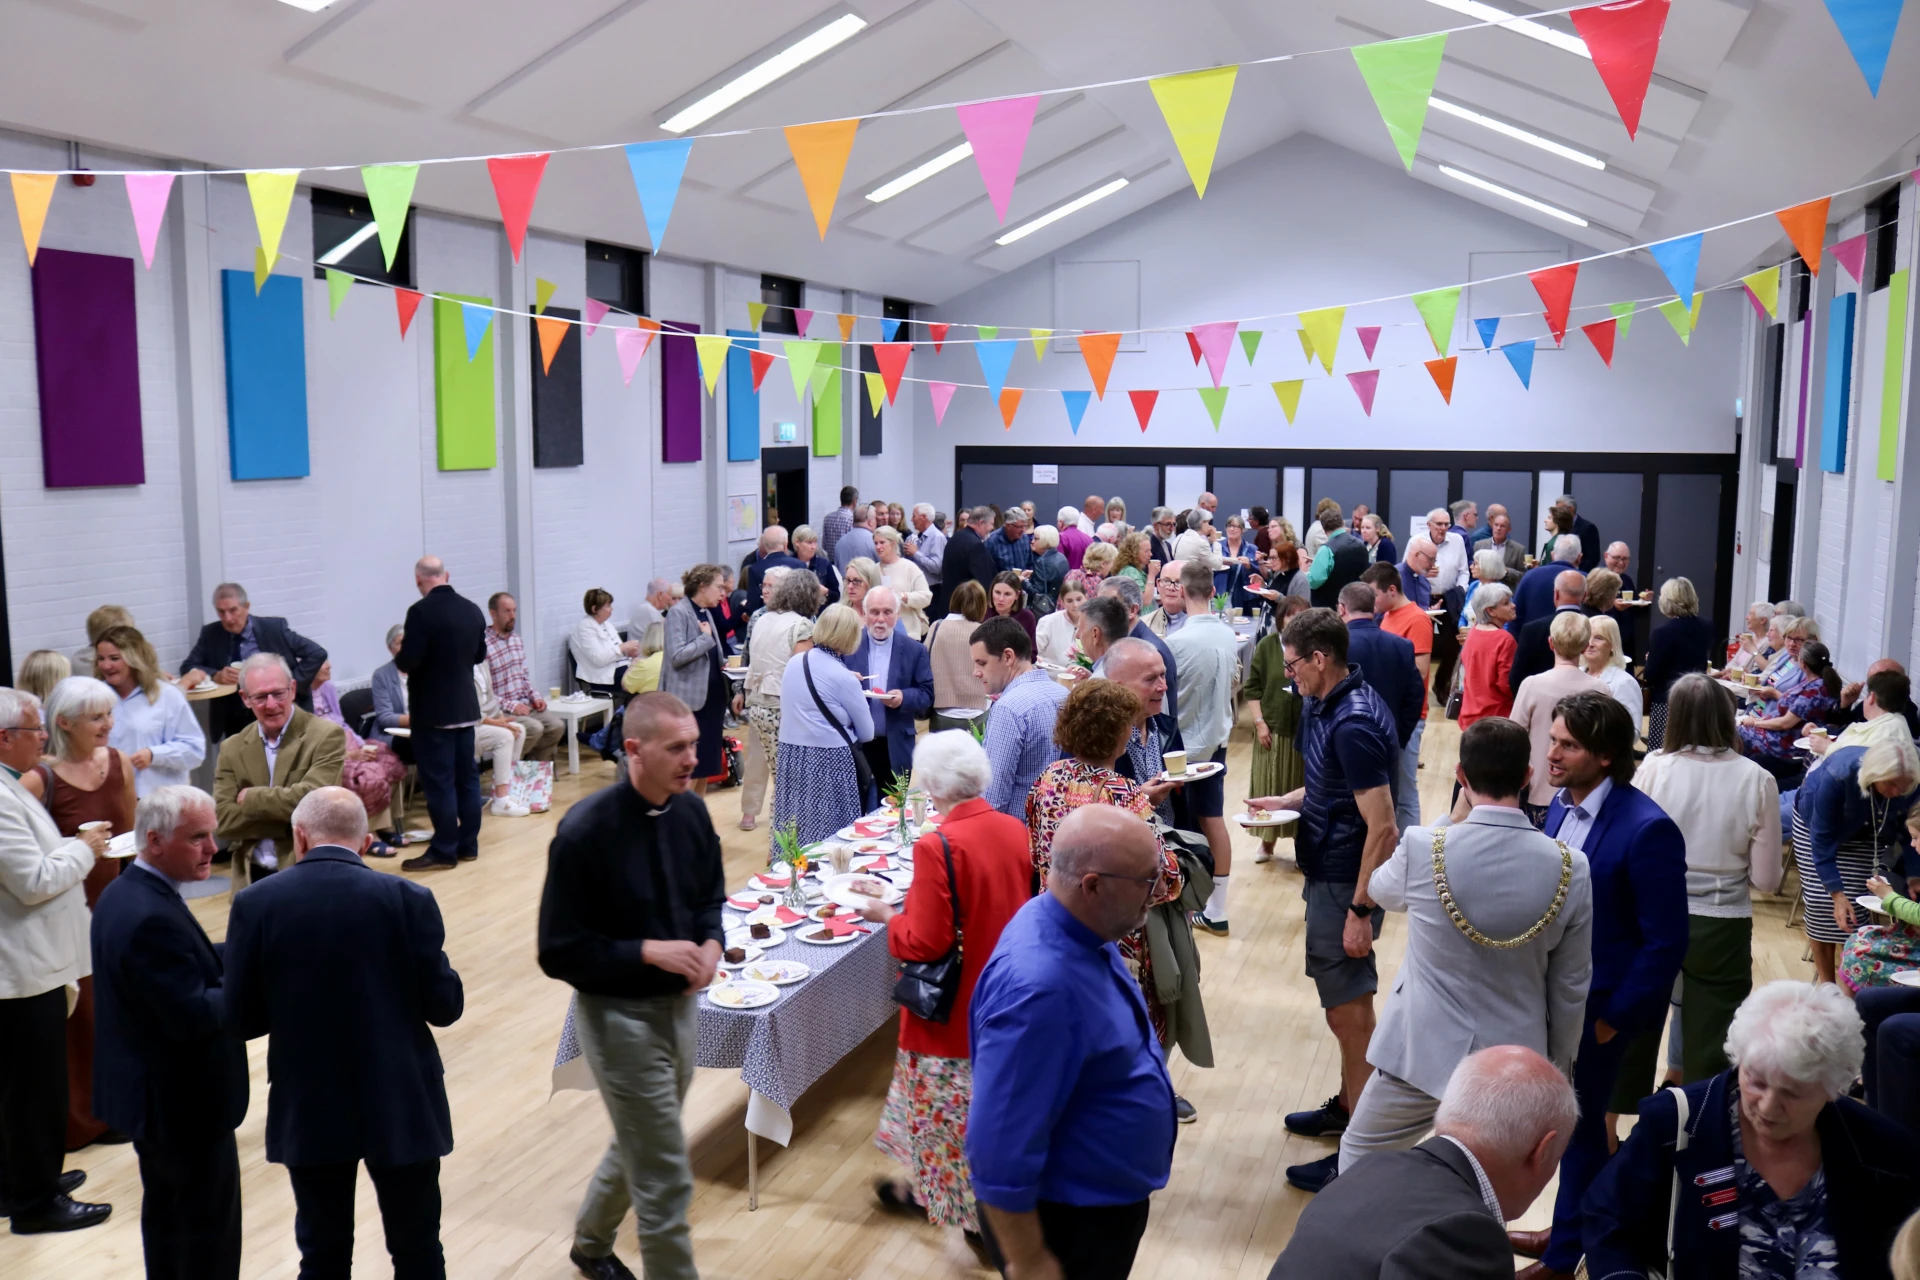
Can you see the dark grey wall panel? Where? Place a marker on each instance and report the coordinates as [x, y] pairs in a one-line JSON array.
[[558, 428]]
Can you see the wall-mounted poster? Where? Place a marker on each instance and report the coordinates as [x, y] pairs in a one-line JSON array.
[[743, 518], [266, 346]]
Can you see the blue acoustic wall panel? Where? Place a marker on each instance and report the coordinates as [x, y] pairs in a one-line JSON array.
[[1838, 393], [743, 402], [266, 341]]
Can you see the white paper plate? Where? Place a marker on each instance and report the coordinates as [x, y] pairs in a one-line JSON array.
[[840, 889], [121, 846], [758, 885], [841, 941], [974, 713], [1195, 771], [1276, 818], [1907, 977], [742, 995], [768, 916], [741, 937], [876, 695], [753, 953], [1872, 903], [781, 973]]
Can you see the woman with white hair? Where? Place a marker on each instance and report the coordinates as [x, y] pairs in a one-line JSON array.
[[1050, 569], [1486, 660], [904, 576], [782, 629], [971, 875], [1849, 821], [1765, 1170], [1606, 661]]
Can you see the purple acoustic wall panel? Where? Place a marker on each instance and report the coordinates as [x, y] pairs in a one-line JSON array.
[[87, 349], [680, 391]]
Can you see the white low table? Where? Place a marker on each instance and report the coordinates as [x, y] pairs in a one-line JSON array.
[[573, 712]]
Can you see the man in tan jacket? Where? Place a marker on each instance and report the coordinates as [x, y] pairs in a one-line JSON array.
[[270, 766]]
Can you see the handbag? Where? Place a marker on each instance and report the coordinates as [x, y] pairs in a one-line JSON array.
[[533, 784], [928, 988], [861, 769]]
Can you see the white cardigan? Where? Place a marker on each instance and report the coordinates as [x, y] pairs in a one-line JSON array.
[[596, 650], [910, 585], [43, 909], [1728, 809]]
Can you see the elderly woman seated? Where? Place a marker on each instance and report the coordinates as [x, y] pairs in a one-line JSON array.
[[1779, 1175]]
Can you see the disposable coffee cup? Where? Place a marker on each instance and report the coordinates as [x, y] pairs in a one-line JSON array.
[[734, 661], [1816, 731], [1176, 762], [96, 826], [840, 858]]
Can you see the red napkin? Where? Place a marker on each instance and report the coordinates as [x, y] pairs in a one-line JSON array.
[[841, 926], [880, 864], [871, 829], [787, 915], [776, 879]]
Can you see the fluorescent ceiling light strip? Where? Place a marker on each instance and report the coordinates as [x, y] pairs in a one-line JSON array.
[[914, 177], [347, 246], [311, 6], [1506, 193], [1517, 133], [1072, 206], [750, 82], [1525, 26]]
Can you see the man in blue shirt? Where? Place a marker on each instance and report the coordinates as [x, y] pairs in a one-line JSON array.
[[1071, 1126], [1019, 739], [1010, 545]]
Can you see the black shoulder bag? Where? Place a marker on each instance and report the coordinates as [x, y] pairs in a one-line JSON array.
[[928, 988], [862, 771]]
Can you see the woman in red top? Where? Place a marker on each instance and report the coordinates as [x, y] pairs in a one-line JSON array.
[[1486, 684], [924, 1124]]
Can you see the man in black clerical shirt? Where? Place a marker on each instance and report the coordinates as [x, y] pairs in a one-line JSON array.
[[630, 918]]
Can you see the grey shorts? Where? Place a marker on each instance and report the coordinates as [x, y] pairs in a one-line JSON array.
[[1336, 975]]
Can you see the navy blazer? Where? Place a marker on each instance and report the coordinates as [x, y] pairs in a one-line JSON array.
[[1386, 665], [1533, 652], [343, 968], [165, 1068], [1638, 860], [911, 672], [216, 647], [1533, 598], [757, 577]]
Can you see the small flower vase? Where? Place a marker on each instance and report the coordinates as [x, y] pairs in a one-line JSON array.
[[796, 896]]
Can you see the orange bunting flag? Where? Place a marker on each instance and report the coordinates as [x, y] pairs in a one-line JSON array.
[[553, 332], [761, 362], [1441, 371], [820, 153], [1097, 349], [32, 193], [1601, 334], [891, 357], [939, 333], [1806, 226], [1143, 405], [1555, 287], [516, 180], [406, 301], [846, 326], [1009, 402]]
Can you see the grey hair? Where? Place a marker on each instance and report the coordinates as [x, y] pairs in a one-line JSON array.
[[1792, 608], [14, 705], [658, 585], [1014, 511], [264, 661], [950, 766], [771, 537], [1162, 513], [1106, 531], [1804, 627], [230, 591], [331, 815], [1489, 566], [1358, 597], [1502, 1104], [1129, 647], [1109, 616], [1457, 509], [980, 515], [866, 568], [1422, 543], [1440, 512], [1567, 548], [1067, 516], [1490, 595], [795, 591], [394, 634], [922, 508], [1126, 590], [73, 697], [158, 814], [1803, 1031], [1888, 760], [873, 596], [1760, 609]]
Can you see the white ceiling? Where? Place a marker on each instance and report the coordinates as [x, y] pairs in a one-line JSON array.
[[1755, 104]]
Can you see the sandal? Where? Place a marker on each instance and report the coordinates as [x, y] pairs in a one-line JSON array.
[[888, 1193], [379, 849]]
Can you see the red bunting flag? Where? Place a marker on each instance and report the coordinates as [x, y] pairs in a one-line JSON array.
[[1806, 226], [1143, 405], [1193, 345], [1097, 349], [1555, 287], [761, 362], [892, 359], [939, 333], [1009, 403], [1624, 39], [1369, 335], [406, 301], [1365, 383], [516, 179], [1441, 371], [1601, 334]]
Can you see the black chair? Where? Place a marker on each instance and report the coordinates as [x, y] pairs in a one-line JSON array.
[[356, 708]]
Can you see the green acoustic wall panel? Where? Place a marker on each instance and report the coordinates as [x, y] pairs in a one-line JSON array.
[[462, 389], [826, 414]]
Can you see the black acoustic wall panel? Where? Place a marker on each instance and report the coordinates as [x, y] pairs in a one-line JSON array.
[[558, 429]]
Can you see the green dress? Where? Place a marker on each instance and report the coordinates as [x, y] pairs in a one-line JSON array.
[[1277, 769]]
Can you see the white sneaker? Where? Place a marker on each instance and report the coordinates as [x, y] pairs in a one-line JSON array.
[[508, 807], [1265, 854]]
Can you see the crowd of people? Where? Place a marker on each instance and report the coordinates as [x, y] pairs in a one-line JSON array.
[[1064, 693]]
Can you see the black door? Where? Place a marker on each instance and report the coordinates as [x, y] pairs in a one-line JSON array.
[[783, 473]]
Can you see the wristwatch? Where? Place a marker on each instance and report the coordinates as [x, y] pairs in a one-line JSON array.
[[1359, 911]]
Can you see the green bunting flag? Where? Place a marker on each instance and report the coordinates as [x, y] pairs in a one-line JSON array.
[[1400, 75], [1438, 307], [389, 192], [338, 282], [1215, 398]]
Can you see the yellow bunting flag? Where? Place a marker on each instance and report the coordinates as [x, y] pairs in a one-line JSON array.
[[1306, 343], [32, 193], [1683, 319], [262, 268], [553, 332], [1194, 106], [756, 312], [712, 348], [543, 291], [820, 153], [1288, 393], [1009, 404], [1040, 337], [876, 391], [846, 326], [1765, 288], [802, 354], [1322, 328], [271, 191]]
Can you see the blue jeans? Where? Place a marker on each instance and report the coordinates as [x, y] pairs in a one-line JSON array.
[[450, 776], [1406, 797], [1593, 1075]]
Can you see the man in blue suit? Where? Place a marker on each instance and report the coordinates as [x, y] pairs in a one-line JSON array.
[[344, 968], [895, 666], [1533, 598], [1638, 864], [165, 1069]]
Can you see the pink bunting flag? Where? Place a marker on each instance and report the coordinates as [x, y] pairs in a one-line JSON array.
[[998, 132], [631, 345], [801, 319], [1369, 335], [1852, 254], [595, 311], [1215, 342], [942, 393], [148, 193], [1365, 383]]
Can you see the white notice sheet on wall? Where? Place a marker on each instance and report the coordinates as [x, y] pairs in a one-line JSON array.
[[1046, 475]]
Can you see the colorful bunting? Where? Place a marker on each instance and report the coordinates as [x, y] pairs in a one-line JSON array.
[[998, 132], [711, 348], [1487, 328], [630, 345], [1681, 318], [942, 393], [761, 362], [820, 153], [1520, 356], [1143, 405], [1867, 26], [1009, 404], [1400, 76], [996, 357], [657, 169], [389, 193], [1323, 331], [801, 356], [802, 320], [889, 327], [478, 320], [891, 357], [552, 331], [1076, 402], [1364, 384], [876, 391], [846, 326], [262, 268], [406, 302], [1555, 287], [543, 291], [338, 282], [1250, 342], [1680, 261], [1215, 398], [1288, 393], [1763, 290], [1624, 39], [1601, 334], [594, 312], [1369, 335], [1098, 349], [1442, 371], [756, 315], [938, 332], [1306, 343], [1850, 253], [1806, 226], [1438, 307], [1193, 346], [987, 332], [1623, 312], [516, 180], [269, 190], [1216, 341], [1039, 337], [147, 194], [827, 374], [1194, 106]]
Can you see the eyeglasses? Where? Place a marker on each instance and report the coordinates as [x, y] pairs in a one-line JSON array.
[[1289, 666], [271, 695], [39, 730], [1154, 881]]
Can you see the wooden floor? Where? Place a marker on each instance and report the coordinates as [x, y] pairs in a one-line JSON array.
[[521, 1160]]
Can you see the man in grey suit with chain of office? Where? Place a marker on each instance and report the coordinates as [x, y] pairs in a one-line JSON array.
[[1499, 945]]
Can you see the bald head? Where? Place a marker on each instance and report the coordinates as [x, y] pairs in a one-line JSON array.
[[329, 815], [1103, 861], [1875, 667], [1569, 587], [428, 573]]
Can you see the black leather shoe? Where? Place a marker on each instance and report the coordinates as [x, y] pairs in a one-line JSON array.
[[607, 1268], [69, 1183], [60, 1214], [428, 862], [112, 1138], [470, 857]]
